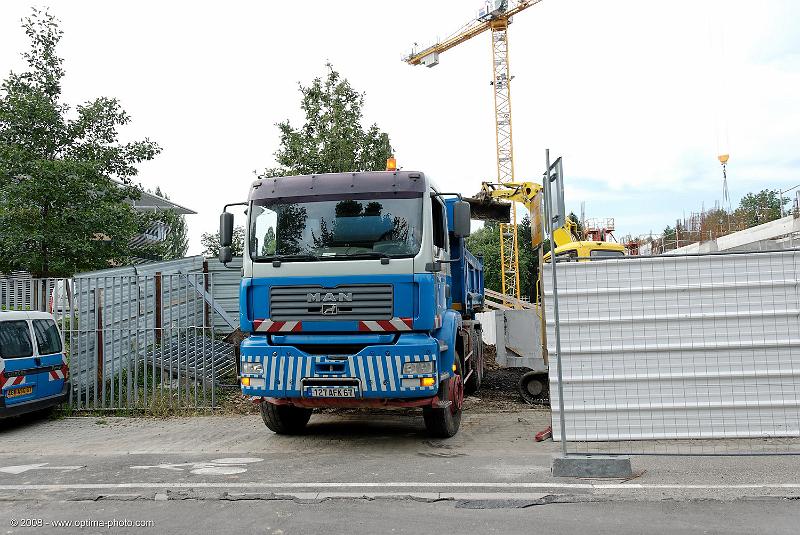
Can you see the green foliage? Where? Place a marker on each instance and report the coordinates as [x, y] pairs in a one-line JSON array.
[[759, 208], [176, 243], [210, 242], [332, 139], [486, 241], [59, 209]]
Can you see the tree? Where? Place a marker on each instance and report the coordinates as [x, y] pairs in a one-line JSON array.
[[332, 139], [486, 242], [210, 242], [759, 208], [60, 211], [176, 243]]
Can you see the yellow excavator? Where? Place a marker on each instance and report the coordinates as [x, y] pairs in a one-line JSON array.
[[488, 205], [493, 203]]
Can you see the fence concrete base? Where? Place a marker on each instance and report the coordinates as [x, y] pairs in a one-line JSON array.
[[592, 466]]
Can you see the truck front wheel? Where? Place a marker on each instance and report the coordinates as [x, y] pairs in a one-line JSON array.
[[285, 419], [444, 422]]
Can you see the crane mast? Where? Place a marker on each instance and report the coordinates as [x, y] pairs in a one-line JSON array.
[[495, 17]]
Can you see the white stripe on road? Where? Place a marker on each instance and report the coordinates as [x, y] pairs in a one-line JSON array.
[[417, 495], [398, 485]]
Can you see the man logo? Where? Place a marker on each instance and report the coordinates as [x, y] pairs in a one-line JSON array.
[[330, 309], [329, 297]]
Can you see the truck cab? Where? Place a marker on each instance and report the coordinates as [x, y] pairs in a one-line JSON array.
[[348, 293]]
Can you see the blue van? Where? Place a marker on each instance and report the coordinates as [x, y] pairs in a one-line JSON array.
[[33, 367]]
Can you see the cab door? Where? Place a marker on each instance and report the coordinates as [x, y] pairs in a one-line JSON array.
[[50, 358], [440, 252], [20, 373]]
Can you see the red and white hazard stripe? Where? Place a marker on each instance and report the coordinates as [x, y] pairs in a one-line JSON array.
[[56, 375], [269, 326], [14, 381], [392, 325]]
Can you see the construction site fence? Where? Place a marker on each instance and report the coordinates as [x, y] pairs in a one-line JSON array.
[[695, 354], [134, 341]]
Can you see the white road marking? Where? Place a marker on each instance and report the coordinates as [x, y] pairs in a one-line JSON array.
[[39, 466], [418, 495], [399, 485], [227, 466]]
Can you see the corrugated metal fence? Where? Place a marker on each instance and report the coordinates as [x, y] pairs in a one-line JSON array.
[[138, 337], [684, 348]]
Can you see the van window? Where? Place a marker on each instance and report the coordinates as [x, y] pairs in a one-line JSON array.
[[15, 340], [47, 338]]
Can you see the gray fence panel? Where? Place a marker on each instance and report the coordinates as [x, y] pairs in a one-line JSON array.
[[136, 335], [678, 347], [227, 281]]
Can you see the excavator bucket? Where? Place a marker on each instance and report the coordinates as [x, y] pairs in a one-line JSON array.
[[487, 209]]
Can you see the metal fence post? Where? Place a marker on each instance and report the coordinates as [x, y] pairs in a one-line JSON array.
[[553, 262], [565, 466]]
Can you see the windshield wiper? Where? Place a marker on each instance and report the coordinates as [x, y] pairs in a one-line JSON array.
[[369, 254], [277, 259]]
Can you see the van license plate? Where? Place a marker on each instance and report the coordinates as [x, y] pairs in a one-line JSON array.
[[16, 392], [331, 392]]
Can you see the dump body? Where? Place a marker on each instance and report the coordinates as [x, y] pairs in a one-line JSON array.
[[348, 295]]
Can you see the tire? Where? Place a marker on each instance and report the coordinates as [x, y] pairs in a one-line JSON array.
[[534, 387], [473, 384], [444, 422], [285, 419]]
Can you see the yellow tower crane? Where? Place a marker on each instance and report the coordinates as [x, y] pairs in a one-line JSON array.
[[495, 16]]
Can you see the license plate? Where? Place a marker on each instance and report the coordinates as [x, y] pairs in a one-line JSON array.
[[331, 392], [16, 392]]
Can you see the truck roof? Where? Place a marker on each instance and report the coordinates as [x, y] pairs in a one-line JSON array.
[[318, 187]]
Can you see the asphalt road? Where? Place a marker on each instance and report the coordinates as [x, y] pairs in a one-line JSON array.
[[409, 516], [365, 473]]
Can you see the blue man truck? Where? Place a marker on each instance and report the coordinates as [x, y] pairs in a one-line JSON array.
[[357, 291]]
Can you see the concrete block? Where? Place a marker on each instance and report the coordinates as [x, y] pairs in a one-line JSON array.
[[611, 466]]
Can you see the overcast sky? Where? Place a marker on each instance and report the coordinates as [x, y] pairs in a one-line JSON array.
[[639, 97]]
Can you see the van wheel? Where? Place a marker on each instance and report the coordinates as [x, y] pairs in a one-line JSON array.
[[444, 422], [285, 419]]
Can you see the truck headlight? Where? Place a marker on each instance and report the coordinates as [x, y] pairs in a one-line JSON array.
[[417, 368], [252, 368]]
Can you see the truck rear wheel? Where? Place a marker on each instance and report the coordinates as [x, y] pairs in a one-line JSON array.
[[285, 419], [444, 422]]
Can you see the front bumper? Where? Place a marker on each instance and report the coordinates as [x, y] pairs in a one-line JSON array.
[[375, 371], [7, 411]]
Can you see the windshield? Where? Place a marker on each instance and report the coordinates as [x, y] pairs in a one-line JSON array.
[[338, 228]]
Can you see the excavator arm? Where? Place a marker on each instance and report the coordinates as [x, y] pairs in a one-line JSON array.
[[489, 205]]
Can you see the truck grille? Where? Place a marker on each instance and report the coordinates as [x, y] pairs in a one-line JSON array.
[[314, 303]]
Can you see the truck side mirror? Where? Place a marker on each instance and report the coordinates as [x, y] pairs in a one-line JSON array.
[[225, 254], [225, 230], [461, 219]]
